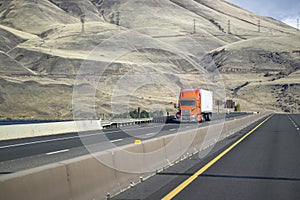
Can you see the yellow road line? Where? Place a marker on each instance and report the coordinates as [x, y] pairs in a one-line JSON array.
[[188, 181]]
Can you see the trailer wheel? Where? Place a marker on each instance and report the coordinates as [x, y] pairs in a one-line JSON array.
[[206, 117]]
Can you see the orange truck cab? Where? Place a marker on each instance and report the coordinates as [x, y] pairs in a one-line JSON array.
[[194, 105]]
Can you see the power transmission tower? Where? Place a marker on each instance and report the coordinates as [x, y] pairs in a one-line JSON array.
[[228, 27], [82, 19], [194, 28], [118, 19], [258, 26]]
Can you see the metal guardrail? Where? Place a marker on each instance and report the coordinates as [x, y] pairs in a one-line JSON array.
[[116, 123]]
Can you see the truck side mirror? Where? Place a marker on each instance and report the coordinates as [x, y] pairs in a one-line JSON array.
[[175, 106]]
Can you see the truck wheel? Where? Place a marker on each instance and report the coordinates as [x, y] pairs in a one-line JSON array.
[[208, 119]]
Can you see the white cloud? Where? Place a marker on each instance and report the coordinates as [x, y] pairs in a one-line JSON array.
[[292, 21]]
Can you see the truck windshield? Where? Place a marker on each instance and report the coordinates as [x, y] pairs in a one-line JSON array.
[[187, 103]]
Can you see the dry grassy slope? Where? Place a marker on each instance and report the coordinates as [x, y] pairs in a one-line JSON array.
[[33, 16], [77, 8], [8, 40], [257, 71], [11, 66], [261, 54], [43, 48], [32, 99]]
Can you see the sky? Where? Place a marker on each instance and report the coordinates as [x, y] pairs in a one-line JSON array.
[[287, 11]]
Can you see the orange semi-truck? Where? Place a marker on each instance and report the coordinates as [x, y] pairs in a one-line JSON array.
[[194, 105]]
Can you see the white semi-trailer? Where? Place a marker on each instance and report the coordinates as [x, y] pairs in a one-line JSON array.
[[194, 105]]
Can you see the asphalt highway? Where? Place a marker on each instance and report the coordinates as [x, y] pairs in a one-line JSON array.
[[16, 155], [260, 162], [20, 154]]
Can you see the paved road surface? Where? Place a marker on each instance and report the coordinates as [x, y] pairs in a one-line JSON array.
[[265, 165], [16, 155]]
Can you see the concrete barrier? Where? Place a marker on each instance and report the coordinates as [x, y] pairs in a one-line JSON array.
[[8, 132], [173, 148], [128, 166], [48, 182], [87, 178], [90, 179], [154, 154]]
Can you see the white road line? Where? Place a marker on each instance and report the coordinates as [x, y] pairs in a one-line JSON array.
[[37, 142], [294, 123], [117, 140], [56, 152], [173, 129], [150, 133], [141, 128]]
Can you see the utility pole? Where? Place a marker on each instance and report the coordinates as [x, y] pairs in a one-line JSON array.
[[82, 19], [194, 29], [298, 24], [258, 26], [139, 112], [219, 103], [228, 27], [118, 19]]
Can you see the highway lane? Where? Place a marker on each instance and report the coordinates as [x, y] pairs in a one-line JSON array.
[[265, 165], [15, 149], [16, 155], [27, 153]]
